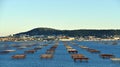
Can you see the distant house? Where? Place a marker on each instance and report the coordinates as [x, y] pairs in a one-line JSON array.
[[65, 38], [116, 37]]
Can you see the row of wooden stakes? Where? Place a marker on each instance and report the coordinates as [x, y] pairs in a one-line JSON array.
[[104, 56], [49, 53], [22, 56], [74, 54]]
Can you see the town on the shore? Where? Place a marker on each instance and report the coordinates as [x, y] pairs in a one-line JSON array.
[[59, 37]]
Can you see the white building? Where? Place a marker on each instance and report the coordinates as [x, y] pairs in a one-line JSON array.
[[67, 39]]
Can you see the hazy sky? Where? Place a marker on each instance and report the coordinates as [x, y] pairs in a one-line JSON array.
[[23, 15]]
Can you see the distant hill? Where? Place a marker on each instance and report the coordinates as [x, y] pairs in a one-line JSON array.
[[81, 32]]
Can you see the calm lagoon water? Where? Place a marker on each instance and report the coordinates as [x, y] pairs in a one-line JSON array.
[[61, 57]]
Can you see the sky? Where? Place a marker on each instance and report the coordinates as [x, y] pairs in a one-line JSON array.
[[23, 15]]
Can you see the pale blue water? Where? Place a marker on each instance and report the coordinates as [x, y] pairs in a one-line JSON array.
[[61, 57]]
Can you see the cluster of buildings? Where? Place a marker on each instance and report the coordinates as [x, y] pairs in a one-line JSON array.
[[93, 38], [36, 38], [60, 38]]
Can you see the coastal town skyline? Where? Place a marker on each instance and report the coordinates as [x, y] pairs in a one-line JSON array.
[[20, 16]]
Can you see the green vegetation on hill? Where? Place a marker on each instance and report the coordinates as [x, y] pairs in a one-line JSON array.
[[82, 32]]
